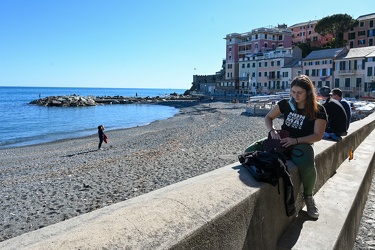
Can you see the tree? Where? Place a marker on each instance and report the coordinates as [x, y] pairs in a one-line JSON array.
[[336, 25]]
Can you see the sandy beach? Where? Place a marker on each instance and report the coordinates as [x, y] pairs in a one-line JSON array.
[[48, 183]]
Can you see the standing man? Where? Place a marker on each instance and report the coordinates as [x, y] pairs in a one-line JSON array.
[[337, 120], [337, 95]]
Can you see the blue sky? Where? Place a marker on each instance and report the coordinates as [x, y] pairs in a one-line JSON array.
[[135, 44]]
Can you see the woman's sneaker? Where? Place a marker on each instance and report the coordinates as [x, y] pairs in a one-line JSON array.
[[312, 210]]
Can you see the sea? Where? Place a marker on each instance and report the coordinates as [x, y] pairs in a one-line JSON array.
[[24, 124]]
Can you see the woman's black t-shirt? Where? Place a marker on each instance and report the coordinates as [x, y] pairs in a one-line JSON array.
[[296, 122]]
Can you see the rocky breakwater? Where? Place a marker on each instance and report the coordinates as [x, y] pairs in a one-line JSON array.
[[78, 101], [65, 101]]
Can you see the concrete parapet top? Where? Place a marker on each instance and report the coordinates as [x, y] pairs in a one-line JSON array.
[[223, 209]]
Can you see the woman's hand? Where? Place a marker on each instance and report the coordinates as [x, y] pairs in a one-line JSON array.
[[288, 141], [274, 134]]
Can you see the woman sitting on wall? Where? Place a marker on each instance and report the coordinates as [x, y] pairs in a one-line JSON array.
[[305, 120]]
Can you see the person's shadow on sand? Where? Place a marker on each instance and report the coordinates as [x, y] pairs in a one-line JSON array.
[[80, 153]]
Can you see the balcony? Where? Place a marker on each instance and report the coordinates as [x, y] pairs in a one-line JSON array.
[[323, 78], [272, 78], [351, 89], [345, 72]]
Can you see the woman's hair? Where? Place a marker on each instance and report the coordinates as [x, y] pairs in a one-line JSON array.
[[100, 126], [311, 104]]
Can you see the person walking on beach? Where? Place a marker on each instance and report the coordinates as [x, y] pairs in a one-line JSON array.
[[101, 135], [305, 120]]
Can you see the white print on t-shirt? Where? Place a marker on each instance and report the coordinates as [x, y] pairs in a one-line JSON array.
[[294, 120]]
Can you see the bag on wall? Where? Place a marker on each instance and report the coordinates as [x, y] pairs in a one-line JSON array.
[[274, 144], [269, 167]]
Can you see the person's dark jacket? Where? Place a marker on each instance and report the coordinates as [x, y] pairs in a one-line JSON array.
[[337, 120]]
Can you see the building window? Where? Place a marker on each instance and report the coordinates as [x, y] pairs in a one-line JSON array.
[[371, 42], [248, 65], [369, 71], [371, 23], [307, 72], [337, 82], [243, 65], [361, 24], [259, 64], [278, 63], [358, 82], [260, 74], [347, 82], [320, 84], [361, 33], [265, 64]]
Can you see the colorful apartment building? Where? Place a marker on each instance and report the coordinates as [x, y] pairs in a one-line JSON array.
[[364, 34], [319, 64], [265, 60], [268, 73], [252, 44], [305, 33], [273, 73], [370, 74], [351, 74]]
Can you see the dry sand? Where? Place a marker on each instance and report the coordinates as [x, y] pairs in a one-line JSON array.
[[47, 183]]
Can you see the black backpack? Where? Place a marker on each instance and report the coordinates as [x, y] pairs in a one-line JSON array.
[[269, 167]]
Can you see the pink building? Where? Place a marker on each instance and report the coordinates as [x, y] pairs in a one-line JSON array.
[[305, 33], [244, 46], [364, 34]]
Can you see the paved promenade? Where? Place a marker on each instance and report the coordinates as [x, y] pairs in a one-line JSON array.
[[366, 232]]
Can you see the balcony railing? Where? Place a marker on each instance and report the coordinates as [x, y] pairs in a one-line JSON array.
[[351, 89], [345, 72], [243, 78], [274, 77]]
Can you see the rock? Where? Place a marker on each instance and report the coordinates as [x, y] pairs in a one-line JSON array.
[[81, 101]]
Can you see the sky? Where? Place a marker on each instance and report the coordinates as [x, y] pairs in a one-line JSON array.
[[136, 44]]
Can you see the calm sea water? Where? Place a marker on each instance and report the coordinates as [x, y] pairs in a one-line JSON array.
[[24, 124]]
